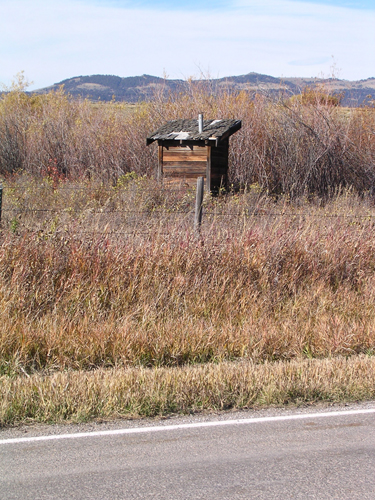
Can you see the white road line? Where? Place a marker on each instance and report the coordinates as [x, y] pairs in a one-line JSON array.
[[161, 428]]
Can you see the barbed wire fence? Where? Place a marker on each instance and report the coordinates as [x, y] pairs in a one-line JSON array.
[[190, 217]]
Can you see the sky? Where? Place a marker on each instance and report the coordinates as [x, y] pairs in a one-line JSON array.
[[52, 40]]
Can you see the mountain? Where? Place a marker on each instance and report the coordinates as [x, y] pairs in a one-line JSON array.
[[108, 87], [141, 88]]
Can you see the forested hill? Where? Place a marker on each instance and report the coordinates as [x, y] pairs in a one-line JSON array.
[[145, 87]]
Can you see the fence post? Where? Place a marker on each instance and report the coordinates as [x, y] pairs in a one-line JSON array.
[[1, 200], [198, 205]]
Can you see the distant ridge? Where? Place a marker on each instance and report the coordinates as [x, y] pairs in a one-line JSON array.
[[142, 88]]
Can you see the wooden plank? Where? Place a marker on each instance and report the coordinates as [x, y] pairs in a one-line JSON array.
[[187, 165], [208, 169], [219, 168], [182, 171], [177, 145], [159, 174], [194, 151], [188, 152], [183, 175], [181, 180], [174, 144], [199, 203], [177, 157]]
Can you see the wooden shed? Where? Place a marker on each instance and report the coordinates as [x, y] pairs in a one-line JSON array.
[[188, 149]]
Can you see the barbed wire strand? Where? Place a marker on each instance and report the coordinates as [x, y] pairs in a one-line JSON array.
[[173, 213]]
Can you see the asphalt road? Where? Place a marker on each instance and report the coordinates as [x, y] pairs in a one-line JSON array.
[[313, 456]]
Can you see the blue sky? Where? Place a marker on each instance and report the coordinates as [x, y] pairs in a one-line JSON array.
[[220, 4], [59, 39]]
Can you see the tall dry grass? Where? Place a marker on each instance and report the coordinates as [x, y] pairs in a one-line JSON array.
[[293, 146], [265, 281], [142, 392], [101, 272]]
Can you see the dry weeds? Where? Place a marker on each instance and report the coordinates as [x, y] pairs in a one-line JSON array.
[[293, 146], [264, 282], [108, 298], [140, 392]]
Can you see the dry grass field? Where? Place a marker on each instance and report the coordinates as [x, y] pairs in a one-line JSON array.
[[112, 306], [88, 296]]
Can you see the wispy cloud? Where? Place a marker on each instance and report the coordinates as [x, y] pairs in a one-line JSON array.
[[350, 4], [310, 61], [170, 5], [55, 40]]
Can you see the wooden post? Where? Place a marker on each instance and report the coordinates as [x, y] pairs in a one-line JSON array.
[[159, 174], [1, 200], [198, 204], [208, 169]]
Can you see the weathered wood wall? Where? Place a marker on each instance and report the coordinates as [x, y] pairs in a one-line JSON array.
[[219, 165], [187, 162]]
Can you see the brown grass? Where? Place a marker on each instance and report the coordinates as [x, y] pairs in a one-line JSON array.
[[140, 392], [293, 146], [287, 281], [108, 299]]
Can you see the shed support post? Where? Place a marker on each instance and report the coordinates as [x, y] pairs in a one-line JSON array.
[[159, 173], [198, 205], [208, 169], [1, 200]]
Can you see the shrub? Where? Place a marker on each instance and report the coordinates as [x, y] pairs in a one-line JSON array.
[[307, 144]]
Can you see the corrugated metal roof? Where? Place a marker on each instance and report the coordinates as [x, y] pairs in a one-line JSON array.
[[187, 130]]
